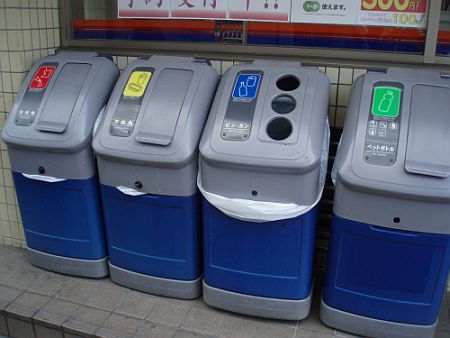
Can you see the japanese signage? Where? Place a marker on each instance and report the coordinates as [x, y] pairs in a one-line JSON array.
[[397, 13]]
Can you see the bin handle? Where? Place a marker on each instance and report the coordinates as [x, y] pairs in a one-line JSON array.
[[130, 191], [44, 178]]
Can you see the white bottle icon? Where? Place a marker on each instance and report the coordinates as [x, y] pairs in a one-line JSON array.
[[251, 81], [386, 102], [243, 91]]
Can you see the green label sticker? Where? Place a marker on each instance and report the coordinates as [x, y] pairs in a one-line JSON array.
[[386, 101]]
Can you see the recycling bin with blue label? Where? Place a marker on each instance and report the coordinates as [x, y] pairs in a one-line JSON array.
[[147, 150], [389, 253], [262, 162], [49, 134]]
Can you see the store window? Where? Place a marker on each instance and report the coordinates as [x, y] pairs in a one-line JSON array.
[[366, 25], [443, 40]]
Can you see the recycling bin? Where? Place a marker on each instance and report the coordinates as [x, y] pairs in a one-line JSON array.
[[262, 169], [147, 153], [49, 134], [389, 251]]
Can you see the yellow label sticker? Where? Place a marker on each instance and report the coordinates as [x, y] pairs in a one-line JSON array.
[[137, 83]]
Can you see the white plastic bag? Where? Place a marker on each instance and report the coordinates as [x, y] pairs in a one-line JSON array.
[[44, 178], [129, 191], [257, 211]]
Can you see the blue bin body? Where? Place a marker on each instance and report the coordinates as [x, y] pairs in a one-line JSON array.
[[270, 259], [387, 274], [62, 218], [152, 234]]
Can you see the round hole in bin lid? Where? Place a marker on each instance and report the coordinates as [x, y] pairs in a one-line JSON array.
[[288, 83], [283, 104], [279, 129]]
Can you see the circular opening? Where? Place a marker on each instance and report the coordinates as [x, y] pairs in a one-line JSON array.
[[41, 170], [279, 128], [396, 219], [254, 193], [283, 104], [288, 83], [138, 184]]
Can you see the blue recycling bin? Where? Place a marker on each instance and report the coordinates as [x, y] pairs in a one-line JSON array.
[[49, 133], [389, 254]]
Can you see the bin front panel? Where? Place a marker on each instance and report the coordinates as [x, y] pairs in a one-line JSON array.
[[386, 274], [270, 259], [153, 235], [62, 218]]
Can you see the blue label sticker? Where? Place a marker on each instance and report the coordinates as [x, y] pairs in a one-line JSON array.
[[246, 86]]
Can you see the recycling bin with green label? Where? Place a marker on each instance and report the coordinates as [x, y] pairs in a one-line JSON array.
[[389, 253]]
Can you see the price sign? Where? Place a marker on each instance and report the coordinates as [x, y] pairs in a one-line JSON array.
[[398, 13]]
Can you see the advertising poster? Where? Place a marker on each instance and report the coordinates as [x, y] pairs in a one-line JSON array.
[[397, 13], [147, 9], [259, 10], [329, 11], [389, 13], [199, 9]]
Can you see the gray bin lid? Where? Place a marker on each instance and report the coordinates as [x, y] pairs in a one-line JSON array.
[[156, 112], [394, 155], [60, 99], [264, 136]]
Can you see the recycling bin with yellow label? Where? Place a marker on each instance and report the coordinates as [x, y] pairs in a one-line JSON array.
[[147, 156]]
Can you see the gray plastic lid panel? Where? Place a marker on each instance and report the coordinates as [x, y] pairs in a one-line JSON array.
[[161, 115], [92, 97], [395, 180], [58, 108], [298, 153], [174, 143], [429, 125]]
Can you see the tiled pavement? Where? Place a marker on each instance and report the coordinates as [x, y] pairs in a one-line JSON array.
[[42, 304]]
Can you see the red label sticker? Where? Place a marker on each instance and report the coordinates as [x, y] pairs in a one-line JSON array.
[[42, 76]]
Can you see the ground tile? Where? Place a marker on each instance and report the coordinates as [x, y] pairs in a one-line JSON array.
[[3, 327], [169, 312], [74, 291], [187, 334], [154, 330], [19, 328], [121, 323], [202, 321], [60, 307], [48, 284], [301, 333], [90, 315], [46, 332], [6, 270], [24, 277], [15, 257], [8, 294], [279, 330], [104, 298], [26, 305], [137, 304], [235, 326]]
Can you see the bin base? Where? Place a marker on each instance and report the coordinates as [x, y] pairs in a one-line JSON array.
[[371, 327], [156, 285], [274, 308], [97, 268]]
